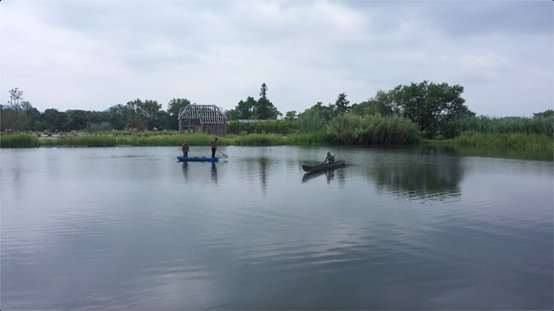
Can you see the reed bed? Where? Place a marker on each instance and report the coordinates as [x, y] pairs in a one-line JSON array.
[[373, 130], [282, 127], [536, 125], [165, 139], [19, 140], [506, 140]]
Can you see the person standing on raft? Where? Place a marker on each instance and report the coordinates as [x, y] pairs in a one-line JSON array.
[[213, 143], [185, 148]]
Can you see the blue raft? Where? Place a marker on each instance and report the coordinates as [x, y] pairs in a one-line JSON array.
[[197, 159]]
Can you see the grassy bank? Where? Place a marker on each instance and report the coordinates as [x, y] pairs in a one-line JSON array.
[[505, 140], [19, 140], [26, 140], [514, 145], [497, 142]]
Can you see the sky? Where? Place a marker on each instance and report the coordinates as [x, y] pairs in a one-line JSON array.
[[94, 54]]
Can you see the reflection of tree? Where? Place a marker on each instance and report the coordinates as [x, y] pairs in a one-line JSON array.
[[264, 162], [430, 174]]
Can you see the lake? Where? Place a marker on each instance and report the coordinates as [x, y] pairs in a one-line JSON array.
[[397, 228]]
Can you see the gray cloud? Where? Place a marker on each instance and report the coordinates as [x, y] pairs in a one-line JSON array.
[[95, 54]]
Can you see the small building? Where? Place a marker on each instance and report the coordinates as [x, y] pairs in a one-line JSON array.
[[205, 118]]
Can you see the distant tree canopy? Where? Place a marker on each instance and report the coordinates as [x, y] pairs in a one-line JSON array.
[[342, 104], [261, 109], [174, 107], [21, 115], [545, 114], [144, 115], [244, 109], [380, 104], [427, 104], [436, 109]]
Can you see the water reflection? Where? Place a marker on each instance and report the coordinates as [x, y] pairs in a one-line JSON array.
[[186, 169], [264, 165], [214, 173], [431, 174], [322, 247], [329, 175], [198, 171]]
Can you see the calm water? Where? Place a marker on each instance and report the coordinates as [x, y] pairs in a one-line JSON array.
[[130, 228]]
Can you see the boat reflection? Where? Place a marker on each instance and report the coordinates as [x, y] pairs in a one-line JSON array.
[[329, 174], [198, 172]]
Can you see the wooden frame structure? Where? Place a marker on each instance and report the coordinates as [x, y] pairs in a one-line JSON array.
[[207, 118]]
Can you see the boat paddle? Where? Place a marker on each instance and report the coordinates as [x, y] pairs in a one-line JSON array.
[[223, 154]]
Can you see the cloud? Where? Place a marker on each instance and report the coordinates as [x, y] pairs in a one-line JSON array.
[[92, 55]]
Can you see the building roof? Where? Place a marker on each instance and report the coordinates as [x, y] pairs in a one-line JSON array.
[[207, 114]]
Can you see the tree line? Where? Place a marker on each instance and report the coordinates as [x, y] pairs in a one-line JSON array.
[[20, 115], [436, 109]]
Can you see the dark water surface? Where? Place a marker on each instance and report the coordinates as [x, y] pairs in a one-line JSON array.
[[417, 228]]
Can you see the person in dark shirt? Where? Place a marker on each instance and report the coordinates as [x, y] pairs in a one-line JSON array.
[[213, 143], [185, 148], [330, 158]]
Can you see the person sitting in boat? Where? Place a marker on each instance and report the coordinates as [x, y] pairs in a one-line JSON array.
[[330, 158], [185, 148]]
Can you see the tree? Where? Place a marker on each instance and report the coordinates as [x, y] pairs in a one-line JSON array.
[[291, 115], [264, 109], [323, 113], [16, 96], [54, 120], [316, 117], [117, 116], [429, 105], [77, 119], [243, 110], [263, 91], [22, 115], [34, 117], [341, 105], [545, 114], [174, 107], [380, 104], [143, 115]]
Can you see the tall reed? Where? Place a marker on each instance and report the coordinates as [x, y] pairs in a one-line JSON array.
[[19, 140], [373, 130], [536, 125], [506, 140]]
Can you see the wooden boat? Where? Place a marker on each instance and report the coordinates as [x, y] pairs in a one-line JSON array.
[[322, 167], [197, 159]]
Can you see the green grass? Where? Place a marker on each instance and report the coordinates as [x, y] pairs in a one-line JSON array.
[[514, 145], [19, 140], [505, 140], [351, 129], [161, 139]]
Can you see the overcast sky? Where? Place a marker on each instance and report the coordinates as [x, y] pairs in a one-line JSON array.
[[95, 54]]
